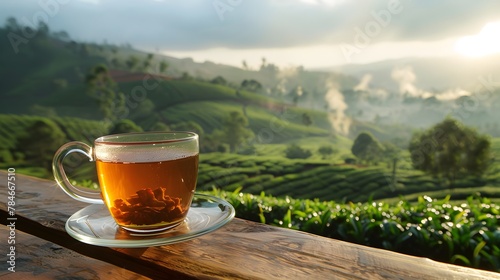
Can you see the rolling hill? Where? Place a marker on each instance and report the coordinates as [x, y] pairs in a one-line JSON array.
[[46, 82]]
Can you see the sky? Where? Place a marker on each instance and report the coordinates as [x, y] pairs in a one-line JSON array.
[[311, 33]]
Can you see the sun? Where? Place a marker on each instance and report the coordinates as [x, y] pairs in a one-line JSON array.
[[485, 43]]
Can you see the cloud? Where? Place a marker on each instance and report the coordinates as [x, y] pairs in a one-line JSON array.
[[95, 2], [323, 2], [363, 84], [196, 24], [485, 43]]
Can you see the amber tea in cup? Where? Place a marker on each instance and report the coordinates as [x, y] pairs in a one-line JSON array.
[[147, 180]]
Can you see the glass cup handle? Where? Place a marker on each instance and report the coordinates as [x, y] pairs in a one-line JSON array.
[[77, 193]]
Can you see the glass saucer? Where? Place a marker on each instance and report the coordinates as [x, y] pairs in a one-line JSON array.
[[94, 225]]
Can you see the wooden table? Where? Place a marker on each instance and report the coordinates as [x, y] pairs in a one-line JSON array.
[[239, 250]]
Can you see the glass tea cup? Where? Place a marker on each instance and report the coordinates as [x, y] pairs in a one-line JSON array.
[[147, 180]]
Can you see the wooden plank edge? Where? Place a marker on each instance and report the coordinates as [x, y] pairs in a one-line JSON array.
[[105, 254]]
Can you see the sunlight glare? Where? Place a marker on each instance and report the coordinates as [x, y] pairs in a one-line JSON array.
[[485, 43]]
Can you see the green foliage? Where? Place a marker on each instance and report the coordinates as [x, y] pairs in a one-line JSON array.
[[466, 234], [219, 80], [451, 150], [350, 160], [294, 151], [391, 151], [309, 178], [103, 89], [132, 62], [144, 109], [60, 83], [325, 151], [306, 119], [186, 77], [247, 150], [366, 147], [163, 66], [40, 142], [43, 111], [251, 85], [235, 131], [6, 156], [210, 143], [187, 126], [125, 126], [160, 126]]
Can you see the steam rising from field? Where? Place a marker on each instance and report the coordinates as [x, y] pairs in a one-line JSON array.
[[364, 83], [406, 78], [284, 76], [337, 107]]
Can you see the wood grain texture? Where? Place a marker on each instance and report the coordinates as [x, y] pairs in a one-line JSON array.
[[239, 250], [41, 259]]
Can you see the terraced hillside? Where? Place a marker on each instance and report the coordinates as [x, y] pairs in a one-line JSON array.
[[325, 181]]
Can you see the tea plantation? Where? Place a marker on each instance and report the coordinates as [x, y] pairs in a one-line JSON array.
[[465, 233], [325, 181]]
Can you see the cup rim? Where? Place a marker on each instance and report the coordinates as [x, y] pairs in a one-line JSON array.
[[156, 137]]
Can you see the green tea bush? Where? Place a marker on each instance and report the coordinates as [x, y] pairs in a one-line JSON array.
[[466, 234]]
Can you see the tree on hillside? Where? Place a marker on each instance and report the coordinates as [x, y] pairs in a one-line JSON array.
[[210, 143], [367, 148], [187, 126], [264, 63], [295, 94], [186, 76], [132, 62], [12, 25], [84, 50], [450, 150], [219, 80], [391, 152], [144, 109], [163, 66], [41, 141], [60, 84], [294, 151], [160, 126], [306, 119], [251, 85], [43, 29], [103, 89], [147, 61], [235, 131], [115, 62], [325, 151], [145, 64], [125, 126]]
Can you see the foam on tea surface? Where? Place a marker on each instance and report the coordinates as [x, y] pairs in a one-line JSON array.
[[110, 153]]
